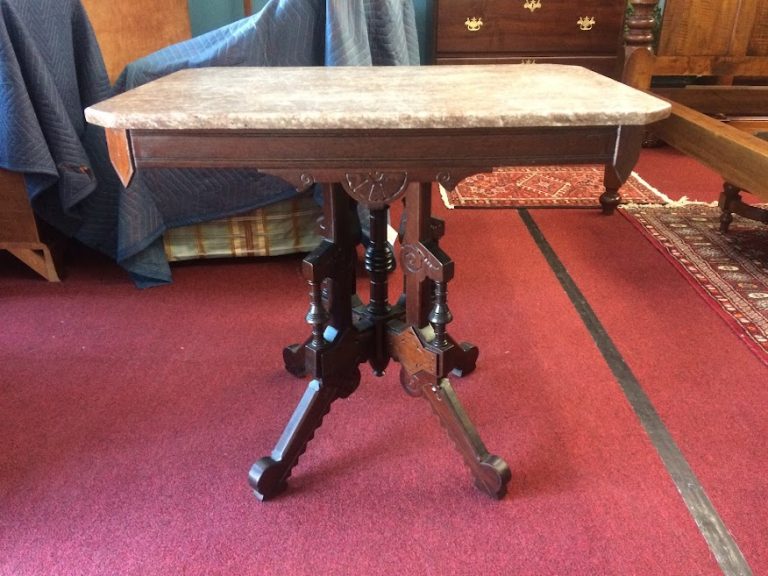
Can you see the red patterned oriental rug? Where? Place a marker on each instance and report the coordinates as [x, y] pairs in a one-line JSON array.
[[544, 187], [729, 270]]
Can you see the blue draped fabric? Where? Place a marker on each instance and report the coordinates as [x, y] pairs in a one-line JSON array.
[[50, 70], [65, 160]]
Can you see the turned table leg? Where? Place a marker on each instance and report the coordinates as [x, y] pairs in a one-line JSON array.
[[331, 354], [730, 196], [427, 353], [730, 203], [626, 153]]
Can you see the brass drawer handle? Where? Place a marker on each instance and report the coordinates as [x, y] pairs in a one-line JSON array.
[[532, 4], [474, 24], [586, 22]]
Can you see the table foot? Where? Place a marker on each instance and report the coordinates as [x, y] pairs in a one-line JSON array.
[[609, 200], [268, 476], [491, 473], [464, 359], [294, 360]]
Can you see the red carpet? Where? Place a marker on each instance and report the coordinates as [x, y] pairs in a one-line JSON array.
[[708, 387], [543, 186], [129, 420], [729, 270], [678, 175]]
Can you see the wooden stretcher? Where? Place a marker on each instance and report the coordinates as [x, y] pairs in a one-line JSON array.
[[725, 41]]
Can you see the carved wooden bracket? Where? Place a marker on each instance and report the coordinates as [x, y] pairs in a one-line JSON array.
[[450, 179], [121, 154], [425, 261]]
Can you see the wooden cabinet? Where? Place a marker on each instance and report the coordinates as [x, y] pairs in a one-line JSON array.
[[583, 32]]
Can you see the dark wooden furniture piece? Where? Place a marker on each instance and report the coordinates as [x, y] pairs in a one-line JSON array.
[[724, 42], [354, 131], [583, 32]]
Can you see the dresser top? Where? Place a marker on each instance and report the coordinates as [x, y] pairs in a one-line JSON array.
[[378, 98]]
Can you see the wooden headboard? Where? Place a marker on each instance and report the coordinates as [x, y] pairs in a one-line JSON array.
[[722, 40], [129, 30]]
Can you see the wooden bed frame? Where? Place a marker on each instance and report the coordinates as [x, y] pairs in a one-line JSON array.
[[726, 43]]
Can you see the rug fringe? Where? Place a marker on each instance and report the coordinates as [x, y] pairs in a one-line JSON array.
[[664, 198], [444, 196], [667, 202]]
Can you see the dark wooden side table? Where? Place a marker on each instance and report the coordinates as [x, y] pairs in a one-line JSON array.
[[370, 133]]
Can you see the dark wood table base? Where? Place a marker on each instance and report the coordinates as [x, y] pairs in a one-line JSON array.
[[347, 333], [375, 168]]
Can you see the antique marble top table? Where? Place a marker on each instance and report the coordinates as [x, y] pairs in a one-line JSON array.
[[368, 134], [322, 98]]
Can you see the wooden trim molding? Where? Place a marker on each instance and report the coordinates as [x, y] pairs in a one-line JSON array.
[[121, 153]]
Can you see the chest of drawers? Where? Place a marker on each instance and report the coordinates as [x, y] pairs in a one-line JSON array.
[[583, 32]]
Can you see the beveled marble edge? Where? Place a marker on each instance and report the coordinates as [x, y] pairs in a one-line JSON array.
[[369, 98]]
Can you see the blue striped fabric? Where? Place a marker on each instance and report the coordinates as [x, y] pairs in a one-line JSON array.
[[295, 33], [129, 226], [50, 70]]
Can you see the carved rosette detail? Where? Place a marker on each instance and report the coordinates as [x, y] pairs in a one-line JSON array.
[[376, 189]]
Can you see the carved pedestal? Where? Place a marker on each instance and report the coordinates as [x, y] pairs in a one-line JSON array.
[[347, 333]]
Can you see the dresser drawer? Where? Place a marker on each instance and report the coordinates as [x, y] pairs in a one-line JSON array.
[[605, 65], [529, 26]]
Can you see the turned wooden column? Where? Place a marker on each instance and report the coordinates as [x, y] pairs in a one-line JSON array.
[[639, 36], [639, 51], [639, 25]]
